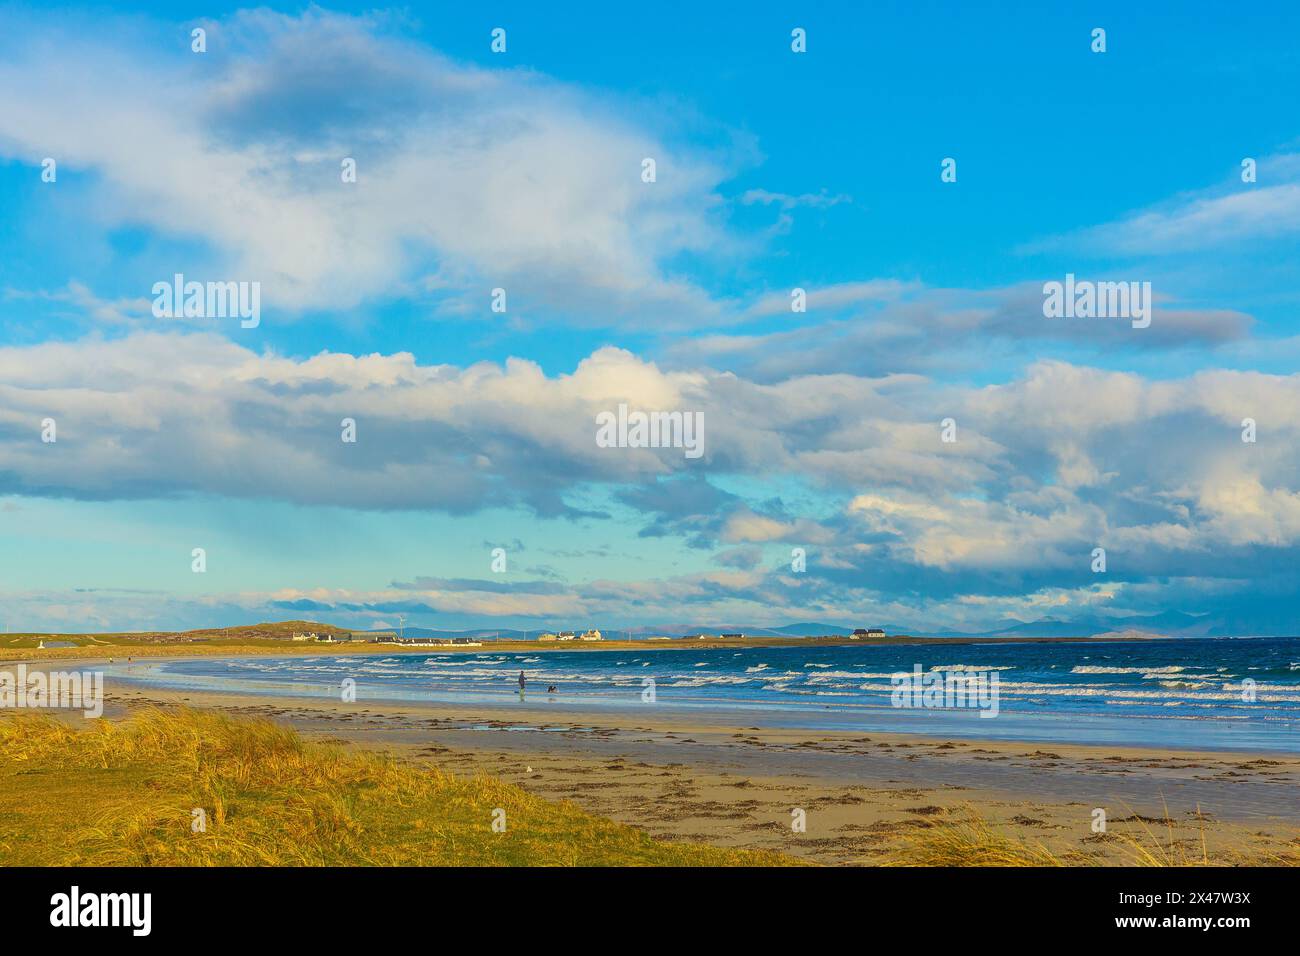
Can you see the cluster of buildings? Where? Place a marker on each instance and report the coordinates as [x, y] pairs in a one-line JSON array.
[[592, 635], [323, 638], [387, 637], [433, 641]]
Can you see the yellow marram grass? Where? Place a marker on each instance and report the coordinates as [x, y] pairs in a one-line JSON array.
[[970, 840], [123, 794]]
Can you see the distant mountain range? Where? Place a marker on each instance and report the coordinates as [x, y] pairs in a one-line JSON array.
[[1281, 622], [674, 630], [1167, 624]]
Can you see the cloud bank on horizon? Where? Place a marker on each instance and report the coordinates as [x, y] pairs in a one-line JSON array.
[[893, 430]]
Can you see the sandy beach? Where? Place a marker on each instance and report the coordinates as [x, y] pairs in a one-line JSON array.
[[862, 796]]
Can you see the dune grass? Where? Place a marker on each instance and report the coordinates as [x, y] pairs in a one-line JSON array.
[[125, 794], [971, 840]]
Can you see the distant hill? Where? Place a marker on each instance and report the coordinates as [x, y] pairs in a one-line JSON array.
[[807, 629], [1164, 624], [269, 631], [611, 633], [814, 629], [1282, 617], [479, 633]]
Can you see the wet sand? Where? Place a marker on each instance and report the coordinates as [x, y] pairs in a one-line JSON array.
[[863, 797]]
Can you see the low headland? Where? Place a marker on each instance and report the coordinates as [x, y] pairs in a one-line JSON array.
[[278, 639]]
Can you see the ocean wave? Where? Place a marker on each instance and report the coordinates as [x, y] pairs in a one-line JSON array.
[[700, 681]]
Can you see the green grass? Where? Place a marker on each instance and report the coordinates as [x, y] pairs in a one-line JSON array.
[[266, 634], [123, 794], [23, 647]]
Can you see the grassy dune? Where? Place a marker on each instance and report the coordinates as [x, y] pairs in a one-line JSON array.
[[123, 794], [102, 648]]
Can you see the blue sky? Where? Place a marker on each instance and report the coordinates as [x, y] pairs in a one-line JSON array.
[[521, 170]]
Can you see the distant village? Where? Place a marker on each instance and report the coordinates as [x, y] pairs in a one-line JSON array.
[[387, 637], [592, 635], [390, 637], [334, 635]]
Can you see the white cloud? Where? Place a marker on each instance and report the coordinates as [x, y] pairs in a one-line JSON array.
[[469, 177], [1214, 218], [1045, 466]]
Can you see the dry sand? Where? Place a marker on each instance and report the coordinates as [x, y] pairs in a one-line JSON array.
[[863, 796]]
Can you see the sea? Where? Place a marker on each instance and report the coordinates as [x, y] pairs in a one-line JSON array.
[[1218, 694]]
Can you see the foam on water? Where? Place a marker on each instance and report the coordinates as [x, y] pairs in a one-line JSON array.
[[1058, 691]]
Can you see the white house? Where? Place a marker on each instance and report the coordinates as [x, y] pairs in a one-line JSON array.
[[867, 632]]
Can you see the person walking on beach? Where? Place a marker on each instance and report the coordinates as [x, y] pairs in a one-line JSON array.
[[521, 682]]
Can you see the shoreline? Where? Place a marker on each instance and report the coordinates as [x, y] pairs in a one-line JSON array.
[[864, 795], [693, 713]]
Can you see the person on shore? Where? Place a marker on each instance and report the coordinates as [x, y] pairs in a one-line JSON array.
[[521, 682]]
